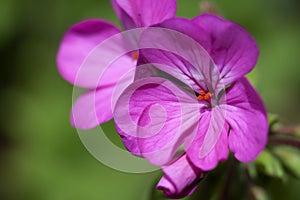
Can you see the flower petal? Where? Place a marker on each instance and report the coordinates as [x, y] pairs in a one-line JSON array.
[[232, 48], [155, 117], [181, 178], [211, 142], [144, 13], [95, 106], [173, 47], [92, 108], [247, 117], [78, 43]]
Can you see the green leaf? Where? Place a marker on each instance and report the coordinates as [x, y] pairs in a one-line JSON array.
[[273, 119], [290, 158], [269, 165]]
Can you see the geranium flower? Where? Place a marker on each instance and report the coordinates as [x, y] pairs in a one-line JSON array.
[[180, 178], [210, 107], [94, 107]]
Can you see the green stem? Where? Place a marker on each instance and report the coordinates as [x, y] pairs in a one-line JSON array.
[[228, 179], [249, 183]]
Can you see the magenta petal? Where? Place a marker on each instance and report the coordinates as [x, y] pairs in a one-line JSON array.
[[125, 19], [173, 47], [116, 8], [144, 13], [78, 42], [232, 48], [181, 178], [92, 108], [95, 106], [154, 117], [216, 134], [247, 117]]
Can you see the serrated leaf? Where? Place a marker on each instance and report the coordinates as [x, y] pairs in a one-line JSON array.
[[290, 158], [269, 164]]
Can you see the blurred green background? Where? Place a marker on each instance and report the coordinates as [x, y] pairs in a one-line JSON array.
[[41, 155]]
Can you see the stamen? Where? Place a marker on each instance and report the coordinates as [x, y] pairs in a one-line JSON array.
[[135, 55], [207, 96], [204, 96], [200, 97], [202, 93]]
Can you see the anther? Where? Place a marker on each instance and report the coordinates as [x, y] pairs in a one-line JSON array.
[[202, 93], [207, 96], [204, 96], [135, 55], [200, 97]]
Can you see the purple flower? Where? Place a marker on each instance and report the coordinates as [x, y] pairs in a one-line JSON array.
[[180, 178], [208, 106], [143, 13], [94, 107]]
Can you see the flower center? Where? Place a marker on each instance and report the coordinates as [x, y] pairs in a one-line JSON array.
[[204, 96], [135, 55]]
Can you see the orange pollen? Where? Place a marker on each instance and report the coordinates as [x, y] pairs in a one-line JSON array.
[[200, 97], [204, 96], [202, 93], [207, 96], [135, 55]]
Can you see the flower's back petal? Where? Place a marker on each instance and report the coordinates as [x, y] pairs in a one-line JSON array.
[[211, 142], [76, 46], [173, 47], [247, 117], [181, 178], [95, 106], [125, 19], [232, 48], [154, 117], [144, 13], [92, 108], [116, 8]]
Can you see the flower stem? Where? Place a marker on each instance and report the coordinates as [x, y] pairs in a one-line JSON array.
[[249, 183], [228, 179]]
